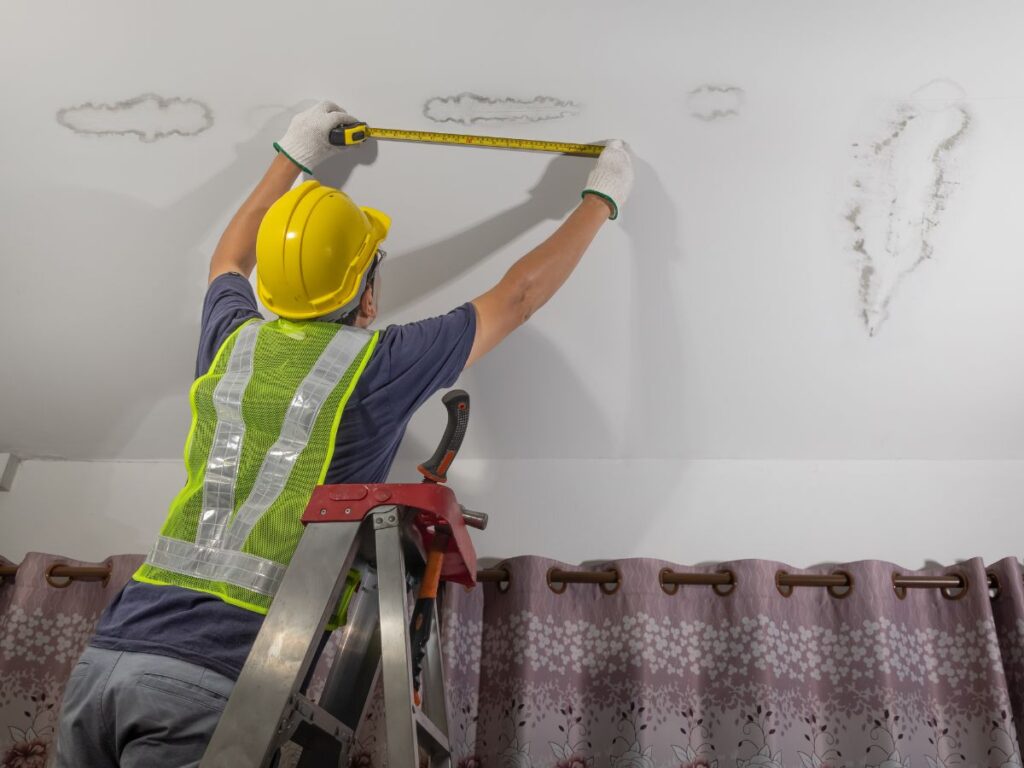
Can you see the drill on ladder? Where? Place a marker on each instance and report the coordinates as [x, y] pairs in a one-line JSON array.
[[394, 536]]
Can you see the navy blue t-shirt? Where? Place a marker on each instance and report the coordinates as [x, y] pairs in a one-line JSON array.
[[411, 363]]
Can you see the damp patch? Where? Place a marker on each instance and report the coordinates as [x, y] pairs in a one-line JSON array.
[[148, 117], [714, 102], [905, 177], [471, 108]]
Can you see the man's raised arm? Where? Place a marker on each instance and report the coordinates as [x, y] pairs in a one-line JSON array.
[[303, 146], [535, 278]]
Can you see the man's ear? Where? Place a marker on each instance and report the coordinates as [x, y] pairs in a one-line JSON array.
[[367, 304]]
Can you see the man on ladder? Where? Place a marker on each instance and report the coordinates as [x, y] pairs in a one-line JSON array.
[[278, 408]]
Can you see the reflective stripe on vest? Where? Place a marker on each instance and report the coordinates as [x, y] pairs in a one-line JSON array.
[[234, 567], [222, 466], [221, 534]]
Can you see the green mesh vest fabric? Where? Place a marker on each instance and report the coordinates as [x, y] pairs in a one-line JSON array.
[[283, 356]]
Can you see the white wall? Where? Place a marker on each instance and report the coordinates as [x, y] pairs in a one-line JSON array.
[[799, 512], [805, 332]]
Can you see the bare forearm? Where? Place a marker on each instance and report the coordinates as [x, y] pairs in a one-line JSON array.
[[535, 278], [539, 274], [236, 251]]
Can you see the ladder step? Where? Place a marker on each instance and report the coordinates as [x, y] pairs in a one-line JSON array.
[[436, 740], [305, 711]]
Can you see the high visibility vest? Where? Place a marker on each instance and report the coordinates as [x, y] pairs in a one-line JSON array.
[[264, 422]]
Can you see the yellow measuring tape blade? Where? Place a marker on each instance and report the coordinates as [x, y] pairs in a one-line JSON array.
[[495, 142]]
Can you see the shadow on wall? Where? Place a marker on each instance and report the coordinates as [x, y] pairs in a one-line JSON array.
[[336, 170], [146, 249], [654, 426], [416, 274], [528, 404], [657, 356]]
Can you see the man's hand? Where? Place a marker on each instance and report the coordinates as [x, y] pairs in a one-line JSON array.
[[307, 141], [612, 178]]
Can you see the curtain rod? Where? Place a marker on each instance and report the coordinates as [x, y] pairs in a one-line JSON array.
[[838, 583], [68, 573]]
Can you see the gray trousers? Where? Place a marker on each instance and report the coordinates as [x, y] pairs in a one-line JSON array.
[[138, 710]]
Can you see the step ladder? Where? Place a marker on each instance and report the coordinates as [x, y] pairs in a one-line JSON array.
[[388, 533]]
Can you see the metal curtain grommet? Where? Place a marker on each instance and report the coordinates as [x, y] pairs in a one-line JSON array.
[[612, 587], [724, 590], [499, 576], [58, 582], [558, 587], [77, 573], [901, 592], [786, 590], [949, 594], [835, 592], [995, 587], [668, 589], [504, 586]]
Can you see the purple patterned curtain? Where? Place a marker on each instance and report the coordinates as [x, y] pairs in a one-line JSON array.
[[646, 676], [754, 679], [43, 630]]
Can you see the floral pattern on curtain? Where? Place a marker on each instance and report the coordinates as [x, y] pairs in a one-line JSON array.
[[640, 678], [43, 631], [645, 679]]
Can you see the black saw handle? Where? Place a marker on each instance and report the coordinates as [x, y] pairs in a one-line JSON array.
[[435, 469]]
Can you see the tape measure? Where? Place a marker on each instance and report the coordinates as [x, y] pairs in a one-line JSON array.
[[357, 133]]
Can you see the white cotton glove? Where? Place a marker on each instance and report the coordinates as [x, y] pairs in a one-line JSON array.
[[306, 142], [612, 177]]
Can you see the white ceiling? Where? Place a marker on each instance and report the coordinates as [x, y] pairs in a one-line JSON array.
[[722, 317]]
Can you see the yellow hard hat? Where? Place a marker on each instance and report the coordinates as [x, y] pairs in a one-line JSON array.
[[313, 248]]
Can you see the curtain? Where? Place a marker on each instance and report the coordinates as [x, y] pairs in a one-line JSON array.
[[641, 678], [44, 628], [637, 675]]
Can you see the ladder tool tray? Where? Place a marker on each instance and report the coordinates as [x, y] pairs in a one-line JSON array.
[[434, 504]]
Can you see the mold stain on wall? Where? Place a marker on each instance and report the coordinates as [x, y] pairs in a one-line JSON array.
[[714, 102], [903, 184], [148, 117], [471, 108]]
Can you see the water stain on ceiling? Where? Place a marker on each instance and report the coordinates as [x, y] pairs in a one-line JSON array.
[[904, 179], [472, 108], [713, 102], [149, 117]]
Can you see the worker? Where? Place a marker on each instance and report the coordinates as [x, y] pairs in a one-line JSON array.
[[277, 408]]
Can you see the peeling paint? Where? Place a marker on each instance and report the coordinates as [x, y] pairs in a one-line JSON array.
[[714, 102], [901, 191], [148, 117], [471, 108]]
